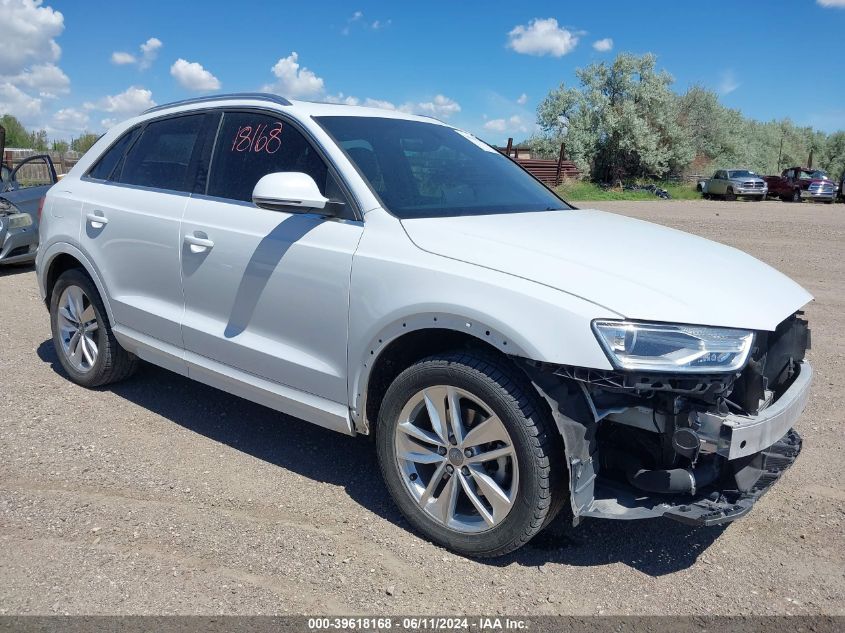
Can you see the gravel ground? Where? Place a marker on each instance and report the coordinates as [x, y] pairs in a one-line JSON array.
[[162, 496]]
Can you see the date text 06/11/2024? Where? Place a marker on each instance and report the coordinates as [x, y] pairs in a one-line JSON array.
[[430, 623]]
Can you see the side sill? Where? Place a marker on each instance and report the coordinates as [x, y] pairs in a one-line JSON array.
[[314, 409]]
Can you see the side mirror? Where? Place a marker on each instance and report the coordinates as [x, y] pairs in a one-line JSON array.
[[290, 191]]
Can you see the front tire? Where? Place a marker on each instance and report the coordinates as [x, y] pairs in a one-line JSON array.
[[82, 335], [469, 453], [796, 196], [730, 195]]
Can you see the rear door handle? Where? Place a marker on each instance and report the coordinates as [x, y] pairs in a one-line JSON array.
[[97, 220], [198, 244]]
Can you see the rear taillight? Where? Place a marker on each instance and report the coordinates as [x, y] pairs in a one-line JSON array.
[[40, 208]]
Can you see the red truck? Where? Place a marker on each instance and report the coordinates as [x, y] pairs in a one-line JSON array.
[[802, 183]]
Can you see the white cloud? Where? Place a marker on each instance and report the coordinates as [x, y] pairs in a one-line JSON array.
[[728, 83], [350, 21], [513, 124], [293, 80], [440, 106], [341, 98], [128, 103], [28, 32], [542, 37], [379, 103], [358, 18], [523, 99], [496, 125], [28, 70], [148, 52], [120, 58], [46, 80], [840, 4], [71, 117], [19, 104], [68, 122], [192, 76], [603, 45]]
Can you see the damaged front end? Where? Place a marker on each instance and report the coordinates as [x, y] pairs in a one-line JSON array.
[[695, 447]]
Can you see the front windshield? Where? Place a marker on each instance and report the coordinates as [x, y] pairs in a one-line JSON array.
[[818, 174], [741, 173], [422, 170]]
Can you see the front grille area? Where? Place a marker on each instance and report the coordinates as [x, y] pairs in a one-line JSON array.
[[821, 188], [751, 184]]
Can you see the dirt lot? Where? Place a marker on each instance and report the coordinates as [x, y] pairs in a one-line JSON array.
[[162, 496]]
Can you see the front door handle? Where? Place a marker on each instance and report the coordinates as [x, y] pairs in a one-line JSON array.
[[198, 243], [97, 219]]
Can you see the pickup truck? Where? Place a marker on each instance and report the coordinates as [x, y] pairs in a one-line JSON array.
[[797, 184], [21, 191], [733, 183]]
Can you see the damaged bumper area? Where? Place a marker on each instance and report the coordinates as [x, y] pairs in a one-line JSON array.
[[700, 449]]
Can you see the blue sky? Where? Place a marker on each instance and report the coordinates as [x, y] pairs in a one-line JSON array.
[[483, 66]]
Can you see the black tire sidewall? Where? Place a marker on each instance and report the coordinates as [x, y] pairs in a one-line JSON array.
[[528, 502], [77, 278]]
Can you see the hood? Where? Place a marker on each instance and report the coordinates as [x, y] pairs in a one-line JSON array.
[[634, 268], [747, 179]]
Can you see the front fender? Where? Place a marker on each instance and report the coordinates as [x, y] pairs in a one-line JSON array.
[[398, 288]]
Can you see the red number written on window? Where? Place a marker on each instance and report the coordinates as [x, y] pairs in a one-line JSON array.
[[257, 139]]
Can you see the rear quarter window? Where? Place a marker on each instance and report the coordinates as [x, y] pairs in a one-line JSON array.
[[162, 156], [106, 166]]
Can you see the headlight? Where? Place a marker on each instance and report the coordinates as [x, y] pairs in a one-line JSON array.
[[673, 348], [18, 220], [12, 216]]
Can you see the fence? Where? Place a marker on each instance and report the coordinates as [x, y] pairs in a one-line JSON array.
[[550, 172], [62, 161]]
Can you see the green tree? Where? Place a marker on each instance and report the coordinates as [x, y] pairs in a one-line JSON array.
[[84, 142], [834, 157], [38, 140], [60, 146], [16, 134], [622, 121]]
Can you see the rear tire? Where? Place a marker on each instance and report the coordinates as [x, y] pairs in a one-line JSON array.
[[85, 344], [478, 519]]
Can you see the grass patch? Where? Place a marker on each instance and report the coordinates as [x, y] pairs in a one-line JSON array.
[[585, 190]]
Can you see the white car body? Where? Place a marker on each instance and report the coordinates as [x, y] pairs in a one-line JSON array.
[[294, 310]]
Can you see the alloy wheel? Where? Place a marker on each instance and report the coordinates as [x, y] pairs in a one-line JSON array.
[[457, 459], [77, 323]]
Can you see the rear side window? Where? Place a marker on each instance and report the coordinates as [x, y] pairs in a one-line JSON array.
[[251, 145], [161, 157], [105, 167]]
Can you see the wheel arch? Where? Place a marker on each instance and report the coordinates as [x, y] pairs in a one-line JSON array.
[[60, 257], [409, 339], [563, 400]]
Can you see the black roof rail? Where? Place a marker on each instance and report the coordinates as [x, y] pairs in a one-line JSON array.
[[259, 96]]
